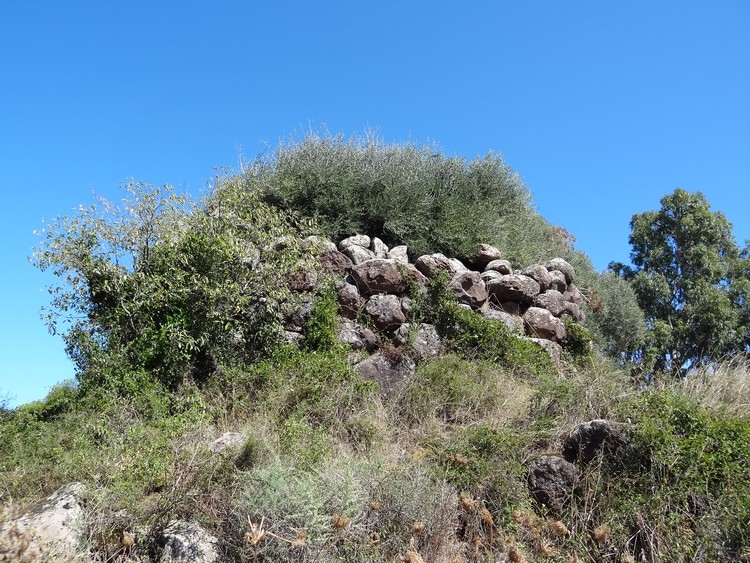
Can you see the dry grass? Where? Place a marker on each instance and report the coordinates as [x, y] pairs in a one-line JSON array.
[[725, 386]]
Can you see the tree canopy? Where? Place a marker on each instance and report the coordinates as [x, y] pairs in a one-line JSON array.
[[691, 280]]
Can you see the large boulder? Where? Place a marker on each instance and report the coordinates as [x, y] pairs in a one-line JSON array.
[[357, 254], [383, 275], [540, 323], [50, 530], [560, 265], [589, 438], [355, 240], [385, 311], [551, 481], [469, 288], [483, 254], [552, 300], [399, 254], [513, 287], [389, 368], [188, 543], [538, 273], [433, 264], [503, 267], [424, 340]]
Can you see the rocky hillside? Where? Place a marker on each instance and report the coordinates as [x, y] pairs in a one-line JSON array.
[[258, 382]]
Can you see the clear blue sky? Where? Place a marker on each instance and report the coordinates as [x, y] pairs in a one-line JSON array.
[[602, 107]]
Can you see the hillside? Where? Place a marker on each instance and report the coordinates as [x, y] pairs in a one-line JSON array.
[[353, 351]]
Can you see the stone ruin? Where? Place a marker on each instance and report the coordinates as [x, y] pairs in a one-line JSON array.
[[374, 282]]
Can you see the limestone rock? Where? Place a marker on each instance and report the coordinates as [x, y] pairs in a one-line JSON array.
[[188, 543], [52, 529], [379, 248], [389, 369], [540, 323], [357, 254], [561, 265], [432, 264], [551, 481], [501, 266], [552, 300], [293, 338], [399, 254], [385, 276], [514, 287], [483, 254], [469, 288], [490, 275], [362, 241], [385, 311]]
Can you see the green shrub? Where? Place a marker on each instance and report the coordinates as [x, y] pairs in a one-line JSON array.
[[321, 329]]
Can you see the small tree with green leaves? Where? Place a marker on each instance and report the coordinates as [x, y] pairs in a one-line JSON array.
[[691, 282]]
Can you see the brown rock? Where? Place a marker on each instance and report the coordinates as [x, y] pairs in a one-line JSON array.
[[560, 265], [383, 275], [388, 368], [538, 273], [350, 301], [469, 288], [335, 261]]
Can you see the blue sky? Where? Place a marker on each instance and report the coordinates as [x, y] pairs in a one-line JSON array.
[[602, 107]]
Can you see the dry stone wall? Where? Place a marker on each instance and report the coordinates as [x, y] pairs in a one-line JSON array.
[[374, 282]]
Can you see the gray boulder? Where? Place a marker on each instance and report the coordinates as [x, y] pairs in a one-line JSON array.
[[426, 343], [573, 295], [357, 337], [432, 264], [501, 266], [50, 530], [557, 281], [514, 287], [469, 288], [379, 248], [560, 265], [538, 273], [514, 323], [188, 543], [552, 300], [357, 254], [385, 311], [385, 276], [483, 254], [355, 240], [551, 481], [540, 323], [399, 254]]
